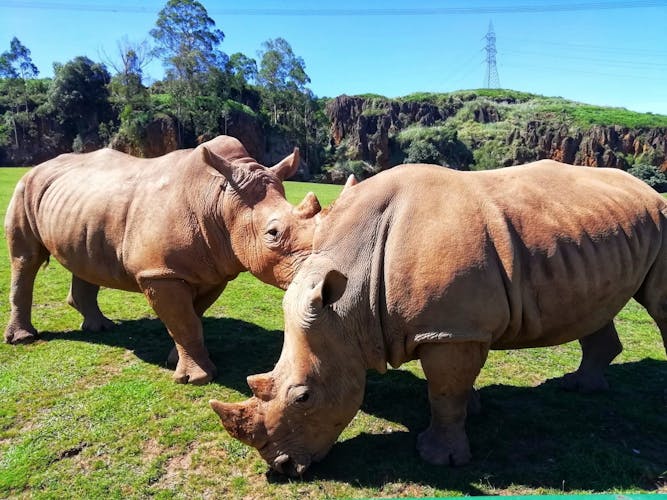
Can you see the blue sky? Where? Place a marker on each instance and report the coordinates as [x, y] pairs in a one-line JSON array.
[[606, 52]]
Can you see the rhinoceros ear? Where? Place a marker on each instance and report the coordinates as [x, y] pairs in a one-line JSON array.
[[308, 207], [288, 166], [223, 166], [328, 290]]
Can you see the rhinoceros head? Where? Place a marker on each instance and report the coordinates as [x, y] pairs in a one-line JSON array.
[[300, 408], [268, 235]]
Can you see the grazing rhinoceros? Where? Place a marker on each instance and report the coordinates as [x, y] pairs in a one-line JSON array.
[[429, 263], [176, 228]]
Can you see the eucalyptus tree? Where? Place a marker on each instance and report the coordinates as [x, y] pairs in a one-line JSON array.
[[16, 69], [187, 41]]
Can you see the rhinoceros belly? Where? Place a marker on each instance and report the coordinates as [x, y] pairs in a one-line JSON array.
[[578, 288], [83, 222]]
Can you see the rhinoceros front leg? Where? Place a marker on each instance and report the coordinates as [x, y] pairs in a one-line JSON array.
[[598, 350], [450, 371], [83, 297], [203, 301], [172, 300]]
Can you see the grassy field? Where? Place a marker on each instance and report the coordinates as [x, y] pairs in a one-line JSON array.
[[96, 415]]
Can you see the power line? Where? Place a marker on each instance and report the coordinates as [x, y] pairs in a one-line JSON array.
[[613, 62], [339, 12]]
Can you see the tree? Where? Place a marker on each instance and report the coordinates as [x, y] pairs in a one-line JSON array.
[[16, 62], [282, 75], [242, 67], [187, 40], [16, 67], [80, 97], [127, 83], [279, 68]]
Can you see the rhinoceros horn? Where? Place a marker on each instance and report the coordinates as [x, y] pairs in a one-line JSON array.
[[242, 421], [288, 166], [351, 181]]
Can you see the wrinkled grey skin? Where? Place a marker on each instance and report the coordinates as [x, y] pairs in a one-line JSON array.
[[421, 262], [175, 228]]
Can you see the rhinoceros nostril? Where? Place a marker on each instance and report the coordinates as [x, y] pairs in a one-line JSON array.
[[300, 469], [279, 464]]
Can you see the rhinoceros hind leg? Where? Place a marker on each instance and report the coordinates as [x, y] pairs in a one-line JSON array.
[[450, 370], [26, 256], [172, 301], [598, 350], [83, 297]]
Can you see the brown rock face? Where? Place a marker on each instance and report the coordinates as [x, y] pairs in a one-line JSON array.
[[368, 124], [599, 146], [367, 127]]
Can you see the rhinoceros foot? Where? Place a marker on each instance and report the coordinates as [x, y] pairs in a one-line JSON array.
[[583, 382], [440, 447], [188, 371], [16, 335], [97, 324]]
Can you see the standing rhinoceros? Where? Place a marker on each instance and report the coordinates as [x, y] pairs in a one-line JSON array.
[[429, 263], [176, 228]]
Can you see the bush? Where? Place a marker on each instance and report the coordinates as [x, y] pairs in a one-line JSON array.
[[339, 171], [651, 175], [437, 144], [422, 152]]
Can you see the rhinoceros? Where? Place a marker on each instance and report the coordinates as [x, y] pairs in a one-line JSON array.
[[423, 262], [176, 228]]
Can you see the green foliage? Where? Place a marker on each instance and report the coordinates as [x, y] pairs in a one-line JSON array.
[[584, 114], [79, 95], [437, 144], [422, 152], [490, 154], [651, 175], [187, 40], [343, 167], [279, 68]]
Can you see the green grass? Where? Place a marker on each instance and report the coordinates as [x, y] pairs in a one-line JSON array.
[[97, 416]]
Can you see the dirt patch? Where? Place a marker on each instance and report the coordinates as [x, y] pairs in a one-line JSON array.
[[150, 450], [176, 468]]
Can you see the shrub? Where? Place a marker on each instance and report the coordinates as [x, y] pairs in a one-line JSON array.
[[437, 144], [422, 151], [651, 175]]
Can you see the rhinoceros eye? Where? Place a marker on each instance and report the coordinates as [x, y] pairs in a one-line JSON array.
[[302, 398], [300, 395], [273, 230]]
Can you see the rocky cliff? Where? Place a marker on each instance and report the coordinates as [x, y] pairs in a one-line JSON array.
[[498, 130]]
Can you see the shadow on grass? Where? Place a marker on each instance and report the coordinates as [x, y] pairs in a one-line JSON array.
[[237, 348], [538, 437], [535, 437]]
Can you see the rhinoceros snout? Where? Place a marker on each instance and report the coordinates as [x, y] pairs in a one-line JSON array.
[[283, 464]]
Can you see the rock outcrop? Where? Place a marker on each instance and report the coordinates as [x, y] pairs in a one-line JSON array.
[[367, 127]]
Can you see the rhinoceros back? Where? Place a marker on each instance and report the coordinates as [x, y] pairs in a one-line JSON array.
[[575, 245], [83, 209]]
